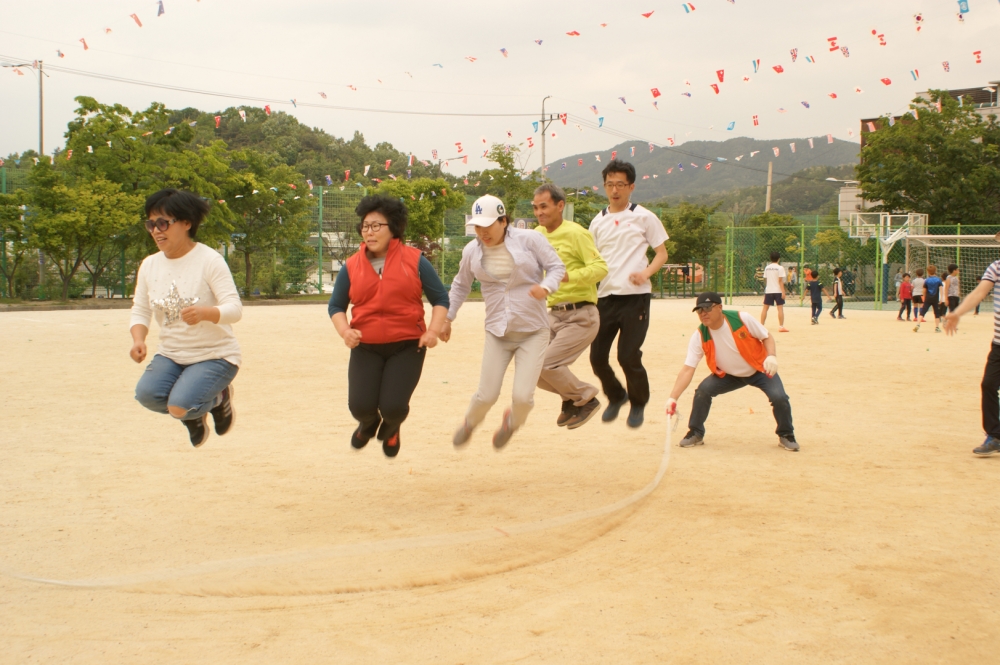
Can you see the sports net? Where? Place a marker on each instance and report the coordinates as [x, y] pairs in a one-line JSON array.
[[973, 254]]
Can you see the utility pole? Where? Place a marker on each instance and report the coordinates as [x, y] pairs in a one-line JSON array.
[[544, 125], [767, 200], [41, 101]]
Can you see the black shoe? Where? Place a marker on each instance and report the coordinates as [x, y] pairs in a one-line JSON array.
[[635, 416], [611, 413], [789, 443], [391, 445], [198, 429], [358, 439], [584, 413], [567, 413], [692, 439], [224, 415]]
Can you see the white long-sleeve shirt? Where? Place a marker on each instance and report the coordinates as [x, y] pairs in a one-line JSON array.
[[200, 273], [509, 308]]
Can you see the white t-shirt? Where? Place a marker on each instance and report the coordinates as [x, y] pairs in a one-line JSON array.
[[771, 274], [727, 356], [622, 239], [200, 273], [498, 261], [918, 286]]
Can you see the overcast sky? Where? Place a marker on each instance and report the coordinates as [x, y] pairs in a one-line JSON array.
[[300, 48]]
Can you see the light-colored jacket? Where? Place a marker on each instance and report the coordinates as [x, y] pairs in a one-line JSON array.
[[509, 307]]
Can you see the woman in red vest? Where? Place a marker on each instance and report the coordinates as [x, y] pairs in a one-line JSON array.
[[386, 334]]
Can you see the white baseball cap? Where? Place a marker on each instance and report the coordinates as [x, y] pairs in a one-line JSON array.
[[486, 210]]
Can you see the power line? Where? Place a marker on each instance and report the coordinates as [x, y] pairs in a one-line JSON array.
[[268, 100]]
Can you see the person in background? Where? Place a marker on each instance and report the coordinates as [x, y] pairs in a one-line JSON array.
[[838, 295], [774, 290], [573, 317], [623, 232], [517, 270], [816, 292], [953, 287], [905, 296], [897, 280], [189, 289], [932, 303], [918, 294]]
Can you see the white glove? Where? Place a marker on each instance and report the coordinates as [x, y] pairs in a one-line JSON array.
[[771, 365], [671, 406]]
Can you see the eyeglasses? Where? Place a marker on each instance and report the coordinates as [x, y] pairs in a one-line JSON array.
[[616, 185], [159, 223], [374, 227]]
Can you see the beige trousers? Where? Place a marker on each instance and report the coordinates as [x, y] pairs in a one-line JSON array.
[[527, 350], [570, 333]]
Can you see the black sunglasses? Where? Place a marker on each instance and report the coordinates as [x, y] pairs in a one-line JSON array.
[[160, 223]]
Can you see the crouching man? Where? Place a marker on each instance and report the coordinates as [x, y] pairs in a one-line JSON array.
[[739, 353]]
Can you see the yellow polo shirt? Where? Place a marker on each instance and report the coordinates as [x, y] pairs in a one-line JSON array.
[[584, 265]]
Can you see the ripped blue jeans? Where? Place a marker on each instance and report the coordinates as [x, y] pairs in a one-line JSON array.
[[195, 388]]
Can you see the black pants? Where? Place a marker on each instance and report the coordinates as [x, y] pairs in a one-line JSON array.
[[990, 386], [626, 317], [931, 303], [381, 378], [952, 303], [839, 307], [906, 304], [817, 308]]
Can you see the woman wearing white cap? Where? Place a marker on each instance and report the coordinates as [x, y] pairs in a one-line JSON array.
[[517, 269]]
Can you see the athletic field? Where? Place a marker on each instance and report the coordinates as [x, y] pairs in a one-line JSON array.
[[279, 543]]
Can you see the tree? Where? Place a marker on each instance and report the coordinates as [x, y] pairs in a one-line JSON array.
[[692, 235], [770, 218], [944, 164], [15, 232], [426, 201], [264, 210], [71, 220], [508, 181]]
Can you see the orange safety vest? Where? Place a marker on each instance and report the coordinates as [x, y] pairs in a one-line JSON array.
[[751, 348], [390, 308]]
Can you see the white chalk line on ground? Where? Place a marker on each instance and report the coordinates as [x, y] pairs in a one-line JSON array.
[[366, 548]]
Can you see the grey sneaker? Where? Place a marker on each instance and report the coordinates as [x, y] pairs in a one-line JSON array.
[[789, 443], [691, 440], [462, 434], [990, 446], [502, 435], [583, 413]]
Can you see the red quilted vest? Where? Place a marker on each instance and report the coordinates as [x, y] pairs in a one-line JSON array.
[[389, 309]]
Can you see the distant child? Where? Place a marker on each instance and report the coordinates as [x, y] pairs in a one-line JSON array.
[[838, 294], [953, 287], [774, 290], [918, 293], [905, 296], [897, 280], [816, 292], [932, 293]]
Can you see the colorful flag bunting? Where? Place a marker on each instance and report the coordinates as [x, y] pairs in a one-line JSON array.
[[756, 121], [243, 114], [647, 14], [538, 41], [160, 11], [670, 140], [458, 145], [776, 151], [811, 59], [573, 33], [84, 42], [688, 7], [504, 51], [218, 119], [833, 44], [979, 57], [614, 153], [69, 155], [293, 103], [597, 157], [886, 81], [623, 101], [792, 146], [136, 19], [739, 158], [715, 87], [795, 54], [631, 152], [832, 95], [843, 50], [778, 68], [579, 162], [811, 144], [708, 167], [946, 65], [563, 117], [600, 121], [915, 73], [347, 175], [686, 94], [721, 73], [756, 65], [267, 109], [388, 163], [656, 92], [90, 148], [806, 104], [731, 126], [651, 147], [754, 153], [329, 180]]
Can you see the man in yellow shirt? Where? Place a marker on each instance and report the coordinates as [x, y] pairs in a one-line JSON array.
[[573, 317]]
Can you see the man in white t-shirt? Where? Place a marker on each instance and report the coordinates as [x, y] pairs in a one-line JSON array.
[[622, 233], [774, 290], [739, 352]]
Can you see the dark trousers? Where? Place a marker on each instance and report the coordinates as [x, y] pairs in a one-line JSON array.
[[839, 307], [990, 387], [381, 378], [906, 303], [772, 387], [952, 303], [817, 308], [626, 317], [931, 303]]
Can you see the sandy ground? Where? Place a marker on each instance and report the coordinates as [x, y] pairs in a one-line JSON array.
[[279, 543]]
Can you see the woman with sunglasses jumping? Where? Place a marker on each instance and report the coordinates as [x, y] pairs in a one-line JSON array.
[[188, 289], [382, 283]]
